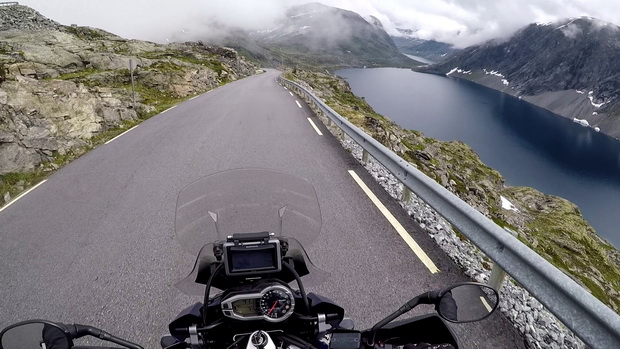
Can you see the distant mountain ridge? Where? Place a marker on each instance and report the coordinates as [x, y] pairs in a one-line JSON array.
[[570, 67], [314, 34], [428, 49]]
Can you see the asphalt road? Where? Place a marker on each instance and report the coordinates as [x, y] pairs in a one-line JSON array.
[[95, 243]]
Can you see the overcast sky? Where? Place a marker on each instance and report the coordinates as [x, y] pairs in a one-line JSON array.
[[461, 22]]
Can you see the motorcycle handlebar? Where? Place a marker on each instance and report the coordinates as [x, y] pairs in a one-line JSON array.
[[78, 331]]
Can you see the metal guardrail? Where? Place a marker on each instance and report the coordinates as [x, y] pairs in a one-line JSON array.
[[9, 3], [591, 320]]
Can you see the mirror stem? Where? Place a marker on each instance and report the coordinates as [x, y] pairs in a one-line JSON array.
[[426, 298]]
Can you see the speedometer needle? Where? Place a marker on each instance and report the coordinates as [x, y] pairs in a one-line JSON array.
[[272, 307]]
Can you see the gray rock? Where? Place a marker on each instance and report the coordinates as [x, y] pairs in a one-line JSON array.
[[14, 158]]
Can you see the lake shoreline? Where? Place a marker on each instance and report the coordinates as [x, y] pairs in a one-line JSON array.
[[547, 152], [566, 104]]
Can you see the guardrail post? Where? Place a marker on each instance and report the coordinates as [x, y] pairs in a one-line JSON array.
[[365, 156], [406, 196], [497, 273], [497, 277]]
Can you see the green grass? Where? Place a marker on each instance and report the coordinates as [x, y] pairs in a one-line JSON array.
[[85, 33], [77, 75]]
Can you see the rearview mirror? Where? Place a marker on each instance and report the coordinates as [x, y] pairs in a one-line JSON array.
[[467, 302], [35, 334]]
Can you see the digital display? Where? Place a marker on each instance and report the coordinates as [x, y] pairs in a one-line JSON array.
[[245, 307], [254, 259]]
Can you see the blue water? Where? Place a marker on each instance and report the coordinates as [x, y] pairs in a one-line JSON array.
[[528, 145]]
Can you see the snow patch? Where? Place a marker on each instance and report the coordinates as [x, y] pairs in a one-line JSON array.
[[505, 82], [597, 129], [444, 55], [580, 92], [582, 122], [594, 113], [493, 72], [304, 27], [458, 70], [304, 14], [591, 96], [507, 205]]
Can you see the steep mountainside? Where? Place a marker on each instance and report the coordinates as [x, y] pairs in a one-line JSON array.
[[432, 50], [570, 67], [62, 88], [318, 35]]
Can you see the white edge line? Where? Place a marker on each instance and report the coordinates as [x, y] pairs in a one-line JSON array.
[[396, 224], [110, 141], [299, 105], [315, 128], [191, 99], [22, 195], [290, 93], [486, 305], [168, 109]]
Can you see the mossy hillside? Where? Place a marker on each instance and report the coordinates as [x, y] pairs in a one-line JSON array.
[[551, 226], [164, 76]]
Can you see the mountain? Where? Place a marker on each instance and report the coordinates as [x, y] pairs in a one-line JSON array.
[[431, 50], [570, 67], [62, 88], [313, 35]]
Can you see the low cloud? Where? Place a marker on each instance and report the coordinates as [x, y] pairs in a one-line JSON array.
[[460, 22], [571, 30]]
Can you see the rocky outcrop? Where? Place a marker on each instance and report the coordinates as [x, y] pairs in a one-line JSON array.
[[62, 86], [24, 18], [569, 67]]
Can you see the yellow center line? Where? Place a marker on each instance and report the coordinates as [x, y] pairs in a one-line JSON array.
[[396, 224]]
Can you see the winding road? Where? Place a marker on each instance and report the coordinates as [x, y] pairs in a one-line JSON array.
[[95, 243]]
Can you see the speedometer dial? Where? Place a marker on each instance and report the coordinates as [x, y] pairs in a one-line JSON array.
[[277, 303]]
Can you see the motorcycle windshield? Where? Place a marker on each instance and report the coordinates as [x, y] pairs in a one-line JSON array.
[[245, 201]]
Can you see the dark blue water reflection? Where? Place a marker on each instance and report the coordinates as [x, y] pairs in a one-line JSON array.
[[530, 146]]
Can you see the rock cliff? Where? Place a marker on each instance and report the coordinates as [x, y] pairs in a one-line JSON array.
[[63, 86]]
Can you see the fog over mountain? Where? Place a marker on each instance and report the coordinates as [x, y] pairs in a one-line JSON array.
[[462, 23]]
